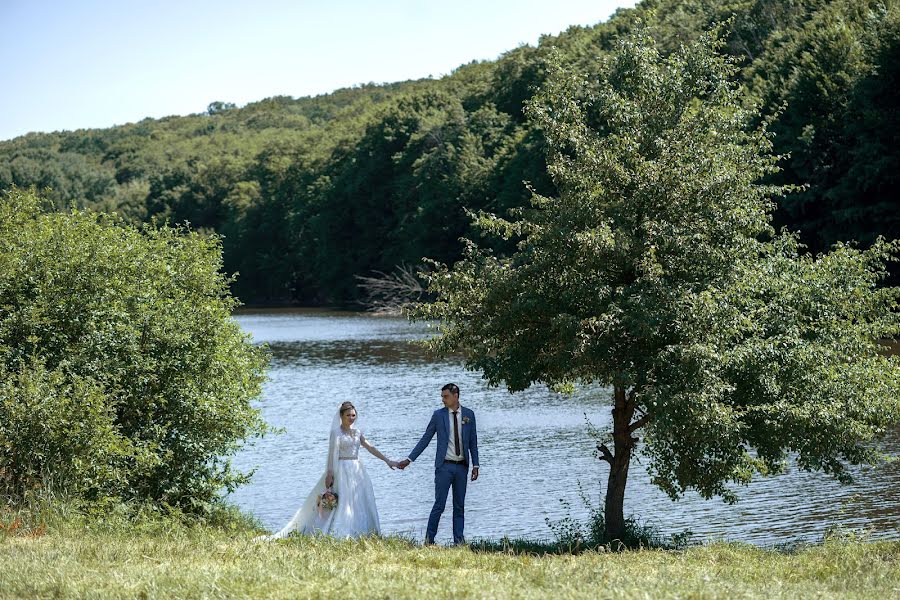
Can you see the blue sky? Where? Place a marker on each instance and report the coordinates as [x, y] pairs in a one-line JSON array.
[[98, 63]]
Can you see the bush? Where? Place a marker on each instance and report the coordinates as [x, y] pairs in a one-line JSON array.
[[124, 372], [59, 430], [572, 536]]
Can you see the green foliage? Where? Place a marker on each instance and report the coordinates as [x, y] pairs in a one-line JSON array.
[[655, 271], [404, 188], [72, 176], [572, 536], [311, 192], [124, 373], [790, 364], [656, 173], [837, 75], [60, 431]]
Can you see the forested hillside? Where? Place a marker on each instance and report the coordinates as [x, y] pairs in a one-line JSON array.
[[310, 192]]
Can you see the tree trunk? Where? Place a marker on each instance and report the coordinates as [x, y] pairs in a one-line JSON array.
[[614, 513]]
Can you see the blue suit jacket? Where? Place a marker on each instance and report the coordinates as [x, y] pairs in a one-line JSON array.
[[440, 424]]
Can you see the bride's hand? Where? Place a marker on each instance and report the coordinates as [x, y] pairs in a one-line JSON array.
[[392, 464], [329, 480]]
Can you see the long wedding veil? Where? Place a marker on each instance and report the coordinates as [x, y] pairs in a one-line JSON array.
[[307, 518]]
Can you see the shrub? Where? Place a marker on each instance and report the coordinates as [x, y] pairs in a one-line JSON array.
[[124, 372], [55, 428]]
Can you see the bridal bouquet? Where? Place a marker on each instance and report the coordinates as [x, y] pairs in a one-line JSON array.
[[327, 500]]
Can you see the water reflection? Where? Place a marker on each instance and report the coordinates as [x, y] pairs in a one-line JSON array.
[[534, 445], [348, 353]]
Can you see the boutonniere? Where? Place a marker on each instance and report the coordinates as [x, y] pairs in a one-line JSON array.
[[465, 420]]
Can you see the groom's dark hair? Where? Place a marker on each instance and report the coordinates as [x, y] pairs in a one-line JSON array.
[[452, 388]]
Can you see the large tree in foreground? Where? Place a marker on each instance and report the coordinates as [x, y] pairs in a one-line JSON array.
[[656, 272]]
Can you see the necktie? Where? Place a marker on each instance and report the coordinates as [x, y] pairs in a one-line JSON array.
[[456, 434]]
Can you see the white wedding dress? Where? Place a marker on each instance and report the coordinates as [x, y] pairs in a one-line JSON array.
[[355, 514]]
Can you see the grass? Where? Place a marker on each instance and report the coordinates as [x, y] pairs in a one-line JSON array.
[[111, 555]]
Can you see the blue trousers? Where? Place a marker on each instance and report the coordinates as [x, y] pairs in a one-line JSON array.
[[447, 476]]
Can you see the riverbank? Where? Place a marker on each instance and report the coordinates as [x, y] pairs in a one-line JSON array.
[[161, 558]]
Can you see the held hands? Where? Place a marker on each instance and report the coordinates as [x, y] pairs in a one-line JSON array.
[[403, 464]]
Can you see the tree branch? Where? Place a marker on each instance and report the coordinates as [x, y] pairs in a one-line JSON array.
[[631, 395], [606, 454], [639, 423], [389, 292]]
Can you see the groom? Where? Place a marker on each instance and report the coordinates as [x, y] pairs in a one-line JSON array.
[[457, 441]]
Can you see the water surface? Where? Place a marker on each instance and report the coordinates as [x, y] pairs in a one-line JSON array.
[[534, 446]]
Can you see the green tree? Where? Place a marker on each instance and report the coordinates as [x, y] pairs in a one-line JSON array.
[[655, 271], [117, 347], [310, 192]]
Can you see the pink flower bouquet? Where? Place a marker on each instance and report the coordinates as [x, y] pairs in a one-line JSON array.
[[327, 501]]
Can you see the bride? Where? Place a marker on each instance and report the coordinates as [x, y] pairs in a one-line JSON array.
[[355, 514]]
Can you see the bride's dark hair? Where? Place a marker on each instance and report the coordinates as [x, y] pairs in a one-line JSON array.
[[346, 406]]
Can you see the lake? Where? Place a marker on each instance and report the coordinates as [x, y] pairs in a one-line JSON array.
[[534, 446]]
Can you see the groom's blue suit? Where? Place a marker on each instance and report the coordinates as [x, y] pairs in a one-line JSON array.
[[447, 475]]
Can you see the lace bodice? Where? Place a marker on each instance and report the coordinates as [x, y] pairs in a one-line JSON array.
[[348, 444]]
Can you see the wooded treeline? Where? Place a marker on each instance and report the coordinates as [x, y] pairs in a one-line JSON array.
[[310, 192]]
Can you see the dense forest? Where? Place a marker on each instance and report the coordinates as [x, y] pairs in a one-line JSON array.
[[310, 192]]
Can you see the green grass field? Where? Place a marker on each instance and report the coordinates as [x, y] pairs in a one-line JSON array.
[[160, 558]]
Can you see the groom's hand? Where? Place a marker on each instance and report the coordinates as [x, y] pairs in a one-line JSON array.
[[403, 464], [474, 473]]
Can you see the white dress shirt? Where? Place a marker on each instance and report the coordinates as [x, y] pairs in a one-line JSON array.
[[451, 455]]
